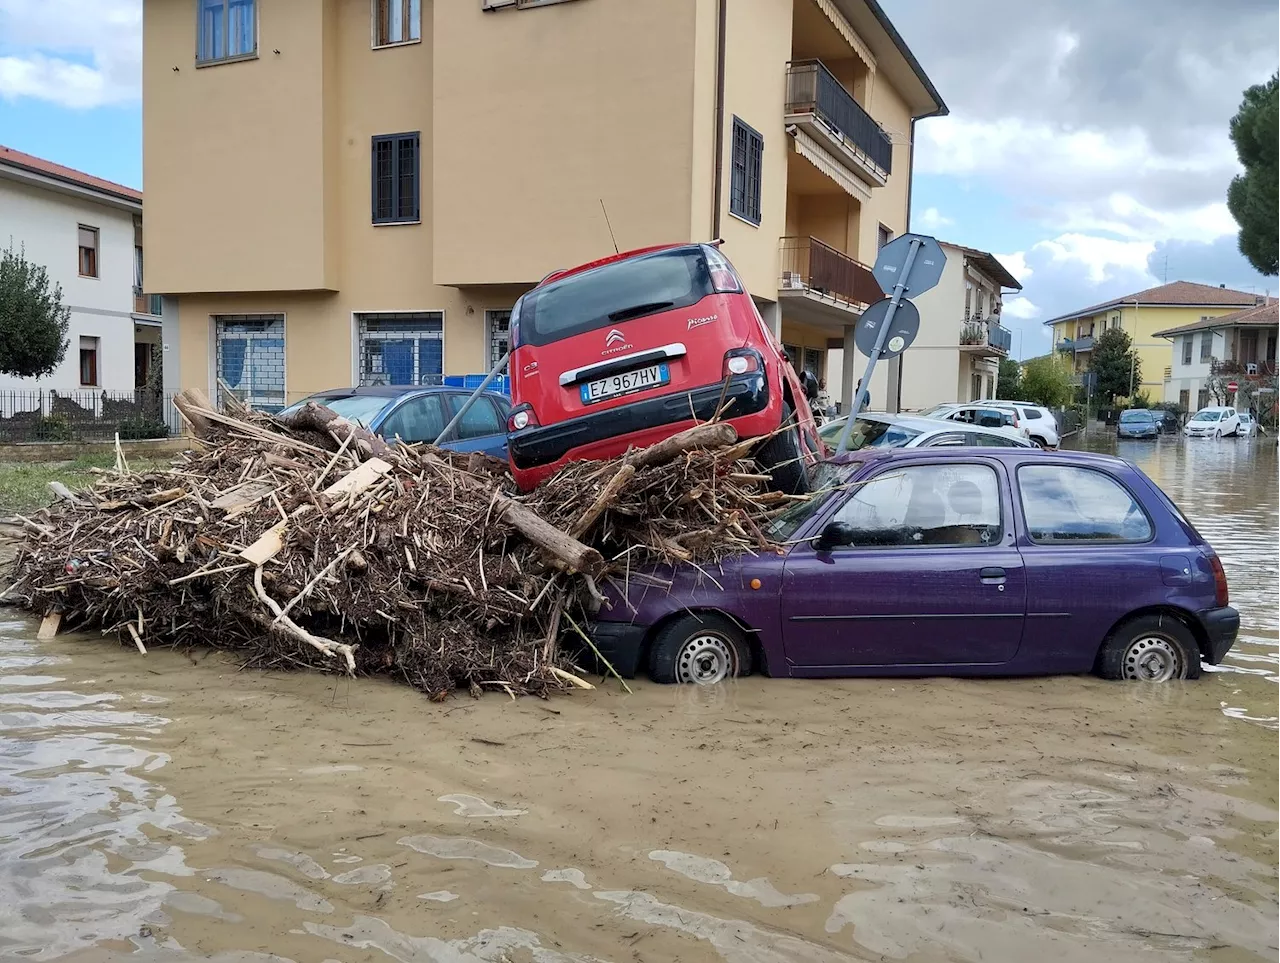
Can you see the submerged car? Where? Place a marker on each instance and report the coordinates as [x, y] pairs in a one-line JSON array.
[[420, 414], [1248, 427], [875, 430], [1137, 423], [1213, 422], [943, 562], [634, 348]]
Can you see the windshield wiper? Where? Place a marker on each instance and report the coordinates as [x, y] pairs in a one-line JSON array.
[[638, 309]]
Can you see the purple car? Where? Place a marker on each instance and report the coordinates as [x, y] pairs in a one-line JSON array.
[[980, 561]]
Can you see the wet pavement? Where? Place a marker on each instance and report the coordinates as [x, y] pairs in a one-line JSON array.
[[173, 807]]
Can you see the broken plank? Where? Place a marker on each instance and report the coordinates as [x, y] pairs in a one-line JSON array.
[[359, 479], [49, 626], [243, 495], [267, 546]]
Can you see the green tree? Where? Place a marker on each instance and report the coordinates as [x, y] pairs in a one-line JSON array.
[[1009, 381], [1046, 381], [1116, 367], [33, 319], [1255, 130]]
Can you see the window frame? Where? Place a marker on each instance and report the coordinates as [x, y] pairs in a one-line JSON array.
[[95, 250], [753, 151], [374, 24], [226, 34], [1016, 482], [395, 141], [1188, 348], [1206, 346], [95, 357]]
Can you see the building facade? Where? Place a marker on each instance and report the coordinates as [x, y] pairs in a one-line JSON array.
[[87, 234], [1142, 315], [956, 356], [344, 191], [1240, 346]]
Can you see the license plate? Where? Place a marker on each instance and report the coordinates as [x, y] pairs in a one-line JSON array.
[[625, 383]]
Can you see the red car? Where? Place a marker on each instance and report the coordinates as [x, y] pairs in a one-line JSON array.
[[634, 348]]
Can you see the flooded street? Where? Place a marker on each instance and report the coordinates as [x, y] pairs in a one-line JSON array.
[[173, 807]]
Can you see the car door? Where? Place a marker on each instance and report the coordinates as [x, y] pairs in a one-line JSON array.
[[932, 577], [420, 418], [482, 428]]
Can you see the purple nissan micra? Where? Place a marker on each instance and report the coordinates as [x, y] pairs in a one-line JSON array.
[[978, 561]]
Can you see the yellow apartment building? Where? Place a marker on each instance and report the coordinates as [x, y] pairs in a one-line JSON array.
[[1144, 314], [356, 191]]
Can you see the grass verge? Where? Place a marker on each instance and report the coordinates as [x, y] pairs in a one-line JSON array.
[[24, 485]]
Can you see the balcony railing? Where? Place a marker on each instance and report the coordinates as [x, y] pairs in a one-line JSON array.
[[1076, 345], [811, 266], [986, 336], [146, 303], [811, 88]]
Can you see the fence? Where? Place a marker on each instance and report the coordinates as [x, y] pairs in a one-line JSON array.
[[44, 416]]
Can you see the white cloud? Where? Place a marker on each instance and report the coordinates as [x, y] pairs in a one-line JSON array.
[[1020, 308], [1102, 257], [1016, 264], [932, 220], [75, 53]]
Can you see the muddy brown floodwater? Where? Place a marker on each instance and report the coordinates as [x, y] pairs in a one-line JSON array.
[[173, 807]]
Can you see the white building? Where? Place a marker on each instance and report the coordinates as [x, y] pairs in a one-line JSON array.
[[1242, 345], [87, 233]]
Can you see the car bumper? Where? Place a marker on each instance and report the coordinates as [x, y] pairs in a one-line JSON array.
[[1220, 627], [533, 447], [621, 643], [1138, 434]]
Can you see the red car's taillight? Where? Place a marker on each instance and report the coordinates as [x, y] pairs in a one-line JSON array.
[[1221, 596], [521, 417], [723, 278], [740, 361]]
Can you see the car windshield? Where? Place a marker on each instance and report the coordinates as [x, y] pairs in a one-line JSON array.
[[613, 293], [1208, 416], [1247, 419], [360, 409], [869, 434], [1136, 414], [826, 478]]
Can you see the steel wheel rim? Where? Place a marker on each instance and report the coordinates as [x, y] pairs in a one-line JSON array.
[[1153, 658], [704, 659]]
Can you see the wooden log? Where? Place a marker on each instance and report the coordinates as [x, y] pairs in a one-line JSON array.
[[192, 410], [316, 417], [608, 495], [243, 495], [62, 493], [562, 545], [712, 435]]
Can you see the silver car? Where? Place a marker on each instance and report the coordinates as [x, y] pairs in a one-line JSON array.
[[911, 431]]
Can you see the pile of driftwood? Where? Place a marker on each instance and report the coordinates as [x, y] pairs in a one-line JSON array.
[[314, 543]]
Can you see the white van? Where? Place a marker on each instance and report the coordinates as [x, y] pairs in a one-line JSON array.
[[1213, 422]]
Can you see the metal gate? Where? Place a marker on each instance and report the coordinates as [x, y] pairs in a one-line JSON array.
[[401, 348], [249, 359], [498, 325]]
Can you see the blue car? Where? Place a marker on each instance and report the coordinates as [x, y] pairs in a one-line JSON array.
[[417, 414], [1137, 423]]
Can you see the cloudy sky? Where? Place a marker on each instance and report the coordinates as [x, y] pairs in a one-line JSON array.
[[1087, 142]]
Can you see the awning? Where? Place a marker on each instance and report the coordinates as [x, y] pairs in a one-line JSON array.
[[817, 155], [845, 29]]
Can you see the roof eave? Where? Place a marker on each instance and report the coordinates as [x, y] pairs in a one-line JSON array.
[[939, 107], [68, 186]]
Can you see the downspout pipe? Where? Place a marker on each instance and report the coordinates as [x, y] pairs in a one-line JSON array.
[[722, 15]]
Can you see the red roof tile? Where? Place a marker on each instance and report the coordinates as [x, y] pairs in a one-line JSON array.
[[16, 158], [1173, 294], [1262, 316]]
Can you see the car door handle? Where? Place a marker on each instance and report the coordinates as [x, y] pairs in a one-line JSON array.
[[990, 573]]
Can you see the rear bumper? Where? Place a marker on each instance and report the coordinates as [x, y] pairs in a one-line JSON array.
[[622, 643], [548, 445], [1220, 627]]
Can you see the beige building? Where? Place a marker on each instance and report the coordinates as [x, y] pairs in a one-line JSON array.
[[956, 356], [342, 191]]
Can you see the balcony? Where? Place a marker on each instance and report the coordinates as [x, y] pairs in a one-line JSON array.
[[146, 304], [820, 105], [986, 338], [1076, 345], [822, 284]]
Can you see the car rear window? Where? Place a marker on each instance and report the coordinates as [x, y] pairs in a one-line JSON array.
[[870, 434], [611, 294], [1067, 504], [1136, 414]]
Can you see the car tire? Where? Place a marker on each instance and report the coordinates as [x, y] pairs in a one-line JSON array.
[[1217, 433], [781, 455], [699, 650], [1039, 442], [1150, 648]]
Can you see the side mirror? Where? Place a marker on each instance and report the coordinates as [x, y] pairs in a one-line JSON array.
[[833, 536]]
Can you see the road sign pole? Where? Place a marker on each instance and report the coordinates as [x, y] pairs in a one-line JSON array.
[[899, 291], [471, 400]]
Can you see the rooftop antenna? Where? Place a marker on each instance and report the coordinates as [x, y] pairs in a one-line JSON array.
[[1166, 268], [609, 226]]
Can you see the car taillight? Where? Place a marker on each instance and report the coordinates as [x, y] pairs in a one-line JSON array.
[[723, 278], [1221, 596], [522, 417], [738, 361]]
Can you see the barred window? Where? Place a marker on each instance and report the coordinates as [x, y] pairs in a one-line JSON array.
[[395, 178], [404, 348], [744, 185]]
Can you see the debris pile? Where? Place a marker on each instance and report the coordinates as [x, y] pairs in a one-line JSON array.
[[316, 544]]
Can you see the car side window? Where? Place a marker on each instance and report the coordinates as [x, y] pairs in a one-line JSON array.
[[925, 505], [1079, 505], [985, 440], [950, 439], [418, 419], [481, 418], [991, 418], [961, 415]]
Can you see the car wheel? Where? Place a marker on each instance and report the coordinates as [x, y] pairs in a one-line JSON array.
[[1217, 433], [699, 650], [1039, 442], [781, 455], [1152, 648]]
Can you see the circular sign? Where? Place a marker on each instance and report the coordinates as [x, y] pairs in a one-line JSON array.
[[902, 329], [1232, 386]]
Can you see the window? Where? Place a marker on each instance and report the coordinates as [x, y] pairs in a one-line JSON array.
[[481, 418], [968, 299], [227, 29], [249, 351], [950, 439], [401, 349], [925, 505], [395, 179], [1115, 320], [975, 388], [418, 419], [744, 183], [982, 304], [396, 21], [1206, 346], [813, 361], [1186, 348], [883, 237], [498, 324], [1184, 398], [1202, 398], [986, 440], [1063, 504], [89, 362], [88, 240]]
